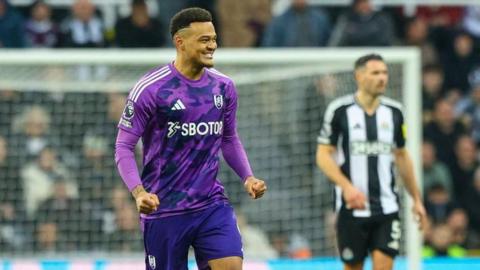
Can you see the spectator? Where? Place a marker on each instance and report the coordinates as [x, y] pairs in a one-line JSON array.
[[245, 26], [444, 131], [46, 237], [122, 234], [459, 63], [463, 172], [300, 26], [106, 125], [462, 234], [470, 190], [38, 178], [432, 89], [40, 30], [299, 247], [442, 244], [468, 109], [471, 23], [61, 217], [416, 34], [139, 30], [255, 242], [363, 26], [434, 171], [84, 29], [11, 27], [438, 203], [96, 180], [97, 176], [280, 243], [32, 133], [10, 102], [12, 234]]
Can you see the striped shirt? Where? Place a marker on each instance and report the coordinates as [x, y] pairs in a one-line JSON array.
[[365, 145]]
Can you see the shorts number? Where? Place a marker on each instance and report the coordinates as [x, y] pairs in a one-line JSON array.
[[396, 230]]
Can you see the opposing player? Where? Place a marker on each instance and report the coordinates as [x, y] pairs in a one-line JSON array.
[[361, 136], [185, 114]]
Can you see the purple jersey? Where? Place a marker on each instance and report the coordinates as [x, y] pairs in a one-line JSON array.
[[181, 123]]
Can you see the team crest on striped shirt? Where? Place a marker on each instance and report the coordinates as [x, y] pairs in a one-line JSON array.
[[218, 100]]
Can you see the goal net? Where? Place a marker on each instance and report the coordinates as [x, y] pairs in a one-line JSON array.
[[60, 190]]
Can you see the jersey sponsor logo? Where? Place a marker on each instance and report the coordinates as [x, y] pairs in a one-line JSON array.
[[129, 111], [385, 126], [152, 262], [218, 100], [370, 148], [193, 129]]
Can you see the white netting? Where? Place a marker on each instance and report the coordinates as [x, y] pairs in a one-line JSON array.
[[60, 192]]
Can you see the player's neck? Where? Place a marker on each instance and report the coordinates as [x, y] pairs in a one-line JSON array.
[[368, 102], [188, 69]]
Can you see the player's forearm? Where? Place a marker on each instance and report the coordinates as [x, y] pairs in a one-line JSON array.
[[405, 169], [329, 167], [236, 157], [125, 159]]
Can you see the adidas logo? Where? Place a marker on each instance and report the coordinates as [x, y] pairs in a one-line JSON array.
[[178, 106], [357, 126]]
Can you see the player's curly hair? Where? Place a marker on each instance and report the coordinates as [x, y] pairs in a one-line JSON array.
[[185, 17]]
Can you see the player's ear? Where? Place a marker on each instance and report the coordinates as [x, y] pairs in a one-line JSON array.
[[178, 41], [357, 75]]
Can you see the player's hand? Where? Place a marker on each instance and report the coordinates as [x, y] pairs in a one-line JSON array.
[[255, 187], [420, 214], [146, 202], [354, 198]]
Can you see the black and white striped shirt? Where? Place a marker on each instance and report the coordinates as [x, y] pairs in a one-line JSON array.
[[364, 150]]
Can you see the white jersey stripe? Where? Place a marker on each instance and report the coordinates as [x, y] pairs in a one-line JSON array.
[[132, 93], [151, 81], [370, 158], [385, 132], [214, 71], [144, 79], [358, 163], [145, 82]]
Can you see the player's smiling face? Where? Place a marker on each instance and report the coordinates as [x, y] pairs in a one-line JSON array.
[[373, 78], [200, 42]]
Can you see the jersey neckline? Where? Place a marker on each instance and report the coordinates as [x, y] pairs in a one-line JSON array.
[[185, 79]]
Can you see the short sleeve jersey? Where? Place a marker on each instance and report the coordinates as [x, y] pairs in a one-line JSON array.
[[365, 145]]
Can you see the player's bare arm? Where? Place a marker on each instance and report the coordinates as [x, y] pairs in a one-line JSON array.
[[146, 202], [354, 198], [405, 168], [255, 187]]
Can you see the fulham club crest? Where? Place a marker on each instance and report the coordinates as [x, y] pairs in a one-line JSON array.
[[218, 100]]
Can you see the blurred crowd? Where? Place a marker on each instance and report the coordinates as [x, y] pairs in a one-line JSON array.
[[42, 158]]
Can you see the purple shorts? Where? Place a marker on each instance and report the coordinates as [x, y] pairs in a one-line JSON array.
[[213, 233]]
